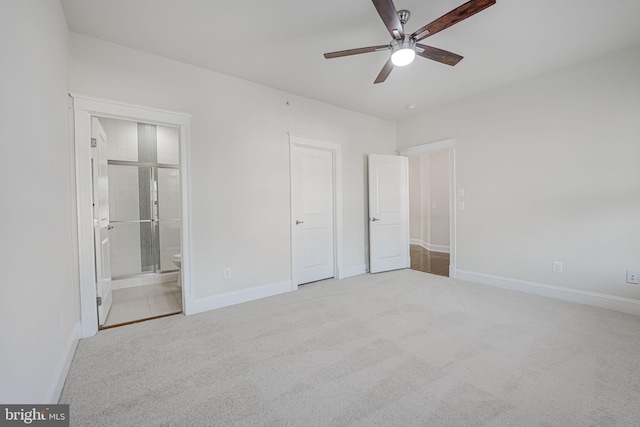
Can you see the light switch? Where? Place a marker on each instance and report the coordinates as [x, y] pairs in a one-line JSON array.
[[557, 267], [460, 192], [460, 205]]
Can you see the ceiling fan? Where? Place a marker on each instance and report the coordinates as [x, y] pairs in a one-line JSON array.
[[404, 47]]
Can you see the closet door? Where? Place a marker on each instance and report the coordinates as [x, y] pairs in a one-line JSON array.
[[312, 202]]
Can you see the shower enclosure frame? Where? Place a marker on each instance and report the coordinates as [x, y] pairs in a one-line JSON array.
[[82, 109], [154, 215]]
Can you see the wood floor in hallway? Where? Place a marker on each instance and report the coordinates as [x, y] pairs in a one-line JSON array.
[[429, 261]]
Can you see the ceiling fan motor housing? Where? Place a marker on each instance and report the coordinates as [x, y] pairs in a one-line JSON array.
[[407, 43], [403, 51]]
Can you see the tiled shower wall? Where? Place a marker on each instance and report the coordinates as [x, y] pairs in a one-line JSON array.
[[123, 141], [147, 153]]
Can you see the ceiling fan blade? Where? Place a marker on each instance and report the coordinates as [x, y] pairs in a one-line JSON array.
[[439, 55], [389, 15], [458, 14], [384, 73], [357, 51]]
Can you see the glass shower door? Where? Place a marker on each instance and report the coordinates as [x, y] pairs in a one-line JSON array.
[[145, 215], [131, 217]]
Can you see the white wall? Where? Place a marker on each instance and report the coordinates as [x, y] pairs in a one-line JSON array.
[[425, 201], [239, 158], [550, 172], [429, 200], [439, 200], [39, 290], [415, 200]]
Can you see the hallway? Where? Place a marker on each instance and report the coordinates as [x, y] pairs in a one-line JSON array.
[[429, 261]]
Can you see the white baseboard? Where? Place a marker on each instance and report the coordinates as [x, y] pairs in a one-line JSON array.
[[438, 248], [355, 270], [60, 374], [232, 298], [429, 246], [89, 324], [147, 279], [625, 305], [417, 242]]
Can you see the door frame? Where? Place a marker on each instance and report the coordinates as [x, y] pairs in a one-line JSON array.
[[448, 145], [336, 150], [82, 108]]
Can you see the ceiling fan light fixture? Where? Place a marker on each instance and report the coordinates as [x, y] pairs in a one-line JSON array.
[[403, 52]]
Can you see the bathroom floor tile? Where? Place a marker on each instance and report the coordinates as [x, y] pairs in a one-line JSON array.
[[162, 305], [143, 302]]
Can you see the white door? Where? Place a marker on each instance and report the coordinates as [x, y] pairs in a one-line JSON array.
[[312, 214], [388, 213], [101, 220]]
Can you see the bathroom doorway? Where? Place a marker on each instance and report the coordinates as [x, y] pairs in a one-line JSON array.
[[136, 195], [84, 110]]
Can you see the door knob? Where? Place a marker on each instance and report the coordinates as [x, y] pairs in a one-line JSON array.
[[299, 222], [110, 227], [374, 219]]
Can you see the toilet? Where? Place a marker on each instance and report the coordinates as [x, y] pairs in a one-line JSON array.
[[177, 260]]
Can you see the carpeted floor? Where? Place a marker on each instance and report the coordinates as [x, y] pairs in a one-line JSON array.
[[402, 348]]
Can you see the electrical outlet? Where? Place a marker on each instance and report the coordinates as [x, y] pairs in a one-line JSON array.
[[227, 273], [556, 267], [632, 277]]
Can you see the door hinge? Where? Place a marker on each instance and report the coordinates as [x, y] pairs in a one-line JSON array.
[[99, 300], [94, 143]]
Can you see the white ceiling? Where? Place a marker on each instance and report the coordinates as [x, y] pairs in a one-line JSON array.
[[279, 43]]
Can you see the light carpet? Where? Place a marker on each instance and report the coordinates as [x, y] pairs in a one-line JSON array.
[[402, 348]]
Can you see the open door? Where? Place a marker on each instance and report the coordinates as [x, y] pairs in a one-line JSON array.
[[388, 213], [101, 220]]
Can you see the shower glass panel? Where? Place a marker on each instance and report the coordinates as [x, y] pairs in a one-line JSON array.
[[144, 196], [125, 250], [131, 220], [144, 206], [124, 193]]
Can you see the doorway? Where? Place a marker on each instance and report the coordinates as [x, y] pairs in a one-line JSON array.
[[132, 209], [432, 205], [429, 212], [137, 193]]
